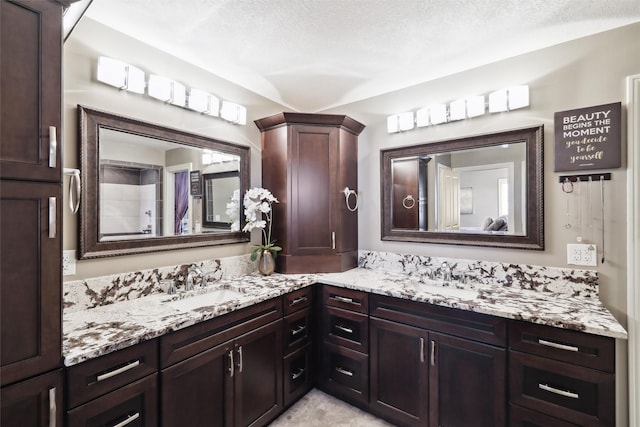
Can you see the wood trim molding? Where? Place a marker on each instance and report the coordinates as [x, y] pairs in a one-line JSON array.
[[633, 245]]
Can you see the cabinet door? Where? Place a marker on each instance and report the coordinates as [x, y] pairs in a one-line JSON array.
[[467, 385], [398, 372], [258, 381], [314, 154], [35, 403], [30, 279], [199, 391], [30, 61]]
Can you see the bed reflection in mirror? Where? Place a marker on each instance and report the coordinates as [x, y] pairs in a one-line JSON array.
[[475, 190]]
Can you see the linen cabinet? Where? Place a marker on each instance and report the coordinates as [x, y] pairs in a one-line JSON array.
[[309, 162], [31, 193]]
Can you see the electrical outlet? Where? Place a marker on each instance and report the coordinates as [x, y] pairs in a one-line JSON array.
[[582, 254], [68, 263]]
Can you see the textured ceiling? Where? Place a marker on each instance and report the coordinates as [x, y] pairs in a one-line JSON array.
[[310, 55]]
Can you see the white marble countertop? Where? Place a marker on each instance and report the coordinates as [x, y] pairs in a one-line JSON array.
[[93, 332]]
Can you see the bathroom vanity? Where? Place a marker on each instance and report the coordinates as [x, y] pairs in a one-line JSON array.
[[410, 350]]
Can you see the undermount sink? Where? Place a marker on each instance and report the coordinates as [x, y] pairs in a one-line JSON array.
[[212, 297]]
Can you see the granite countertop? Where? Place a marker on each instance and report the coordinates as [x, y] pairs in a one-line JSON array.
[[97, 331]]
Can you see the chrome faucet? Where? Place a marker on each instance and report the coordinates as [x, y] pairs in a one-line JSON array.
[[194, 273], [446, 271]]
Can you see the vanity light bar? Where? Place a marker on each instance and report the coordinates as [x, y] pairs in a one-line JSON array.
[[465, 108], [124, 76]]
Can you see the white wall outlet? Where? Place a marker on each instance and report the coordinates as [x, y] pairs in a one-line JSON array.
[[582, 254], [68, 262]]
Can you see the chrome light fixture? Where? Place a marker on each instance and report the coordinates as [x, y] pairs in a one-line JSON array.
[[120, 74], [203, 102], [400, 122], [509, 99], [235, 113], [465, 108], [167, 90], [124, 76]]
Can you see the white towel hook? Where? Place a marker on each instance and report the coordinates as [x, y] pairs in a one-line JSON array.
[[347, 193]]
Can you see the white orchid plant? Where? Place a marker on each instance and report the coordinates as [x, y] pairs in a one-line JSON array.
[[258, 214]]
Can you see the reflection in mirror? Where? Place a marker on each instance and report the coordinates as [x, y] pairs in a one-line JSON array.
[[143, 186], [218, 190], [153, 199], [484, 190], [477, 190]]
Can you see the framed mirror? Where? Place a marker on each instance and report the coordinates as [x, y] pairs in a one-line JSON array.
[[484, 190], [144, 187]]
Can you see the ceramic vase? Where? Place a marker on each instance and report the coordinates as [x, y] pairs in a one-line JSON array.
[[266, 263]]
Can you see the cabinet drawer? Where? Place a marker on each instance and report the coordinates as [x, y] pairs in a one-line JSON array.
[[182, 344], [134, 405], [346, 328], [475, 326], [575, 347], [521, 417], [347, 299], [297, 329], [297, 300], [569, 392], [96, 377], [298, 374], [346, 373]]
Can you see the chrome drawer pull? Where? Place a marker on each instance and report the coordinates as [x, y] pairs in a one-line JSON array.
[[129, 420], [554, 390], [433, 353], [53, 147], [557, 345], [115, 372], [296, 375], [231, 367], [344, 371], [297, 301], [239, 359], [344, 299], [343, 329], [52, 217], [422, 350], [53, 408], [298, 330]]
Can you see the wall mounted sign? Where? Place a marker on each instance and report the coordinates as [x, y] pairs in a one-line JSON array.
[[588, 138], [196, 184]]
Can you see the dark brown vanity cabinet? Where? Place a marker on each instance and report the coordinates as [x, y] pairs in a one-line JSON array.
[[399, 372], [119, 388], [31, 207], [344, 368], [559, 377], [36, 402], [31, 102], [308, 161], [434, 366], [299, 335], [226, 371]]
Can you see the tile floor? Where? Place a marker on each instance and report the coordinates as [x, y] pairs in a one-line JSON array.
[[318, 409]]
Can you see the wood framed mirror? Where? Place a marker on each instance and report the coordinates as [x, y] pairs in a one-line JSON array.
[[484, 190], [142, 189]]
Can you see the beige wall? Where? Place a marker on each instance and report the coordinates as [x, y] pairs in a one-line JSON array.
[[90, 40], [582, 73]]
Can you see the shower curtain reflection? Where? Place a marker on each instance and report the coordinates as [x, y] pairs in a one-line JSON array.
[[181, 203]]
